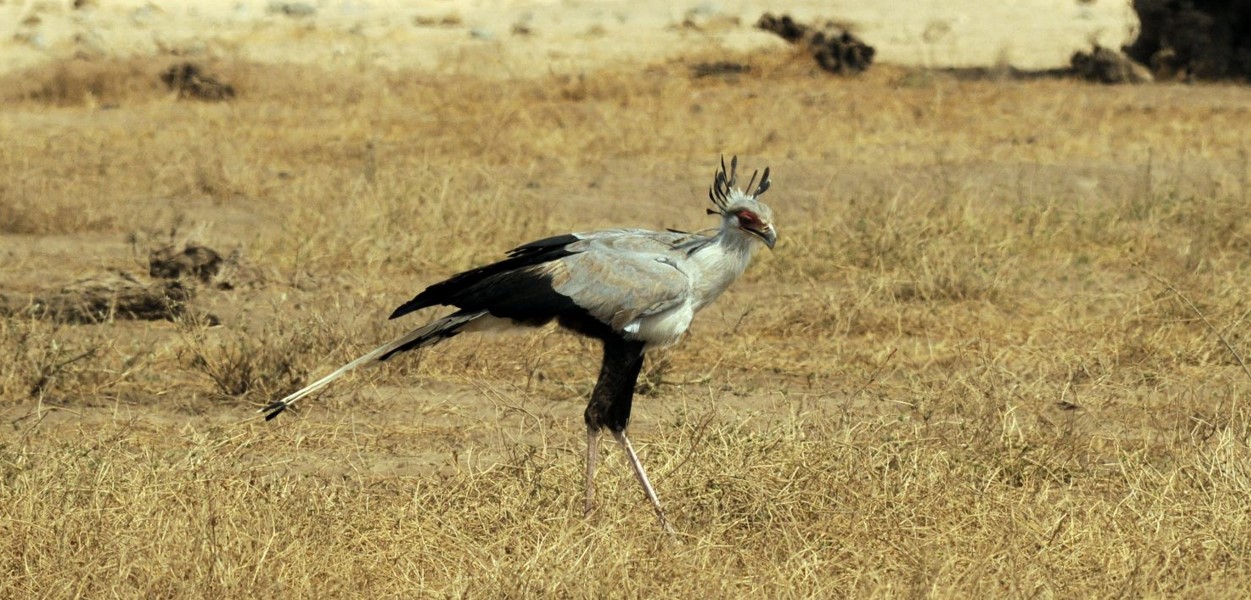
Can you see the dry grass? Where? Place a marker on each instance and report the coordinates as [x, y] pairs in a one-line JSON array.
[[997, 351]]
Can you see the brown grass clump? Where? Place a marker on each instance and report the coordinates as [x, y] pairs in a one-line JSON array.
[[76, 82], [998, 351]]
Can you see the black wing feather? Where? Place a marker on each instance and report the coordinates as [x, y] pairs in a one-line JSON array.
[[509, 288]]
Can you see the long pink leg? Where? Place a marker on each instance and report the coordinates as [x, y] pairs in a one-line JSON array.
[[642, 477], [592, 456]]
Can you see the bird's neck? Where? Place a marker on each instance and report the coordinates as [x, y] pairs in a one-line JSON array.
[[731, 239], [721, 262]]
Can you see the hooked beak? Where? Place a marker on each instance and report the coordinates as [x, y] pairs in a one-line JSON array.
[[767, 235]]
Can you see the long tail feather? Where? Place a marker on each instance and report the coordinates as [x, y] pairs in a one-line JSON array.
[[421, 337]]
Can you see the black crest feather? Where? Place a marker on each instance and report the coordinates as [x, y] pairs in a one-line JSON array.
[[725, 179]]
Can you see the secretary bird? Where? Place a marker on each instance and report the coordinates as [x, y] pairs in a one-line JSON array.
[[631, 289]]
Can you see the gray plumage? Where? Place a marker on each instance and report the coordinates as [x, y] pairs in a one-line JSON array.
[[632, 289]]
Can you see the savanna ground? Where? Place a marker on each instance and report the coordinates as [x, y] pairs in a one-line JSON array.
[[997, 351]]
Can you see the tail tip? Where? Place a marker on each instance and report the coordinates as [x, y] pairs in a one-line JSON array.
[[273, 409]]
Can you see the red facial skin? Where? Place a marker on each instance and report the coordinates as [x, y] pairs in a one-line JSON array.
[[748, 219]]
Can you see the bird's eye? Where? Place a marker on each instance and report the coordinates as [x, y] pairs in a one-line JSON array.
[[748, 218]]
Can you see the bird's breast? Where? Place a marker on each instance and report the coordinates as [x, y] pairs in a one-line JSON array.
[[663, 328]]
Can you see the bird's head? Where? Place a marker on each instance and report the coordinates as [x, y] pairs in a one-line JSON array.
[[741, 210]]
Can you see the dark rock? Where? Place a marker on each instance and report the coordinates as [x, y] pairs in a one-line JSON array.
[[170, 262], [190, 81], [831, 44], [1193, 39], [1105, 65]]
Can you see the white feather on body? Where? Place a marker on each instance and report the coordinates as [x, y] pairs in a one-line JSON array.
[[662, 329]]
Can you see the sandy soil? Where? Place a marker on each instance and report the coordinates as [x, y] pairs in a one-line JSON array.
[[536, 36]]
